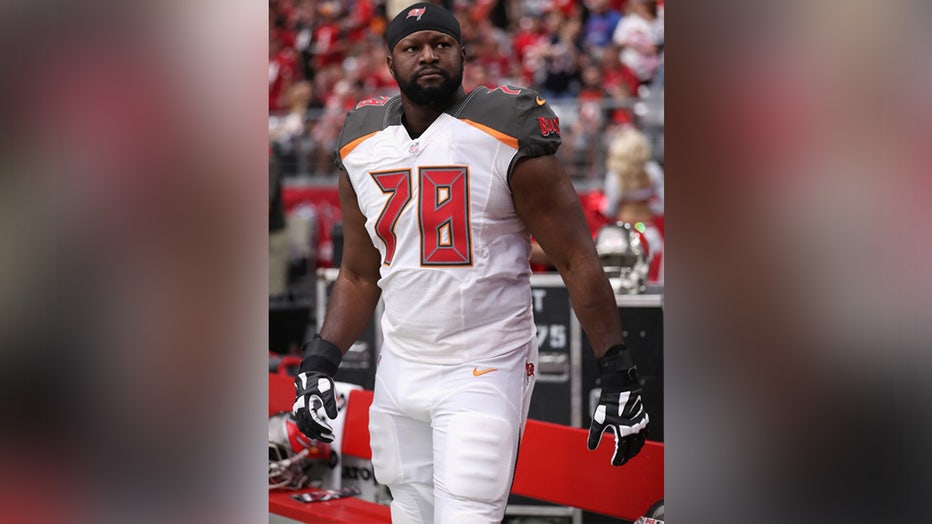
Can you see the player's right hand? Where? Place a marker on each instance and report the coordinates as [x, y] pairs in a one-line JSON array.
[[314, 389]]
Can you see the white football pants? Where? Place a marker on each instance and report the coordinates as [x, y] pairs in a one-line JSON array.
[[445, 438]]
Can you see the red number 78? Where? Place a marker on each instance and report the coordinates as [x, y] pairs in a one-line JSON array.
[[442, 212]]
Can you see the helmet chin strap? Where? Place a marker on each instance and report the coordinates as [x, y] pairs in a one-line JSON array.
[[282, 469]]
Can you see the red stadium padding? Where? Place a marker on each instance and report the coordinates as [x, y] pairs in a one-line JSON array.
[[554, 465], [356, 428], [281, 393], [293, 196]]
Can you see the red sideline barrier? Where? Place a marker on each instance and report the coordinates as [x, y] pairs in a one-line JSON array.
[[555, 465], [281, 393], [356, 435], [292, 196]]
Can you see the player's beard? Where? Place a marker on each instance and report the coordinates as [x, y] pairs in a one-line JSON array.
[[438, 96]]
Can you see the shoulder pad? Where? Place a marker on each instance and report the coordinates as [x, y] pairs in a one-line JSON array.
[[518, 113], [368, 117]]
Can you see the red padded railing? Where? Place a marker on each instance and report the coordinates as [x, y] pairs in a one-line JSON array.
[[555, 465]]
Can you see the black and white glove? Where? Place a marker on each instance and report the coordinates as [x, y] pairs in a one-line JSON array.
[[314, 388], [620, 409]]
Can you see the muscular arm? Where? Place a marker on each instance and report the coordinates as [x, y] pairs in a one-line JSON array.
[[355, 292], [547, 203]]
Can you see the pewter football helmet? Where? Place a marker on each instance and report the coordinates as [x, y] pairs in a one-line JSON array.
[[624, 257]]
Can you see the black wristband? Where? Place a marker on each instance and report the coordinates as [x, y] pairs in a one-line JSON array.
[[617, 357], [320, 355], [617, 369]]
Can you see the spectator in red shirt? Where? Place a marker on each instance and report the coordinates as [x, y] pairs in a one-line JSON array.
[[621, 85], [328, 45], [372, 71], [527, 44], [358, 22], [282, 71], [487, 55]]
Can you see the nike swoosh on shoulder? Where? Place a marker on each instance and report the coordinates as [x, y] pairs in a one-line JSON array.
[[540, 101], [476, 372]]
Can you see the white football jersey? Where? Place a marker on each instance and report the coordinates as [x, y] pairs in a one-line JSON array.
[[455, 277]]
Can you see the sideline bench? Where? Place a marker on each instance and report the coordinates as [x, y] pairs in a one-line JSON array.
[[553, 465]]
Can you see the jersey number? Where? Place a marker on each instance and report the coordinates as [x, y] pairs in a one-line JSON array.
[[442, 212]]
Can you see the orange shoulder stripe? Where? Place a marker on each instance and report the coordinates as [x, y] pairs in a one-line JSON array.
[[501, 137], [345, 150]]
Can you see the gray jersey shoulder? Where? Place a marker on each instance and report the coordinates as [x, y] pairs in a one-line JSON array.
[[370, 116], [517, 112]]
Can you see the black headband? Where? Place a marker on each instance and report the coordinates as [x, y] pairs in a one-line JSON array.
[[420, 17]]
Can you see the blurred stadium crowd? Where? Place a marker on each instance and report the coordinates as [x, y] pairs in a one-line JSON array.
[[599, 63]]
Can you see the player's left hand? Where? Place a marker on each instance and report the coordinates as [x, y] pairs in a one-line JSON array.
[[620, 409]]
